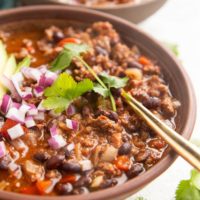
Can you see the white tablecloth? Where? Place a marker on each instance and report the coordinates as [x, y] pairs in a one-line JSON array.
[[178, 21]]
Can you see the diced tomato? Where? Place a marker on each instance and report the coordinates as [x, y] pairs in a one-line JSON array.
[[122, 163], [70, 178], [7, 125], [43, 186], [68, 40], [144, 60], [29, 190]]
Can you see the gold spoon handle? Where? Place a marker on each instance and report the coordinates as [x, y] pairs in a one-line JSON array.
[[182, 146]]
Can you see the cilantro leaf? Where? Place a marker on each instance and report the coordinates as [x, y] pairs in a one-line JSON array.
[[113, 81], [62, 61], [76, 49], [101, 90], [186, 191], [64, 91], [195, 179]]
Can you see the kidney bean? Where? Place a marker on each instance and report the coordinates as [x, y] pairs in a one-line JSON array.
[[54, 162], [157, 143], [71, 166], [83, 181], [41, 156], [135, 170], [81, 190], [125, 149], [108, 183], [151, 102], [64, 189], [142, 155]]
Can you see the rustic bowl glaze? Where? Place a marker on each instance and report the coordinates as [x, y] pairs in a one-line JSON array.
[[174, 74], [133, 11]]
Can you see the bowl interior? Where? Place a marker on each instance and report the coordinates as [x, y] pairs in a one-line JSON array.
[[174, 75]]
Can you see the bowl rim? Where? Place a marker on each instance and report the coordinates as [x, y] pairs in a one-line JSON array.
[[136, 183], [112, 7], [115, 6]]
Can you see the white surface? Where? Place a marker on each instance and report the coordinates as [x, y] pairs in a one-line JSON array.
[[178, 21]]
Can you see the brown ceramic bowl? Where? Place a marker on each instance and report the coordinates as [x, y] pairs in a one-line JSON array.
[[133, 11], [174, 74]]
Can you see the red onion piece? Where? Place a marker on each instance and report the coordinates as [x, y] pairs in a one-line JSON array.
[[33, 110], [6, 103], [17, 82], [29, 122], [47, 79], [53, 130], [40, 116], [27, 94], [16, 115], [2, 149], [57, 142], [16, 105], [38, 91], [10, 86], [15, 132], [40, 107], [72, 124], [31, 73], [71, 110]]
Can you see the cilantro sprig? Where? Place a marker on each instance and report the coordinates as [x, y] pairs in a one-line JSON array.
[[64, 91], [110, 82], [189, 189], [105, 82]]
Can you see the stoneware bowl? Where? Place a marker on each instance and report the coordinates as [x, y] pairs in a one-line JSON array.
[[174, 75], [133, 11]]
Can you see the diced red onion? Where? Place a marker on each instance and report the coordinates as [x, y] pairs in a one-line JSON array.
[[72, 124], [27, 93], [10, 86], [33, 110], [47, 79], [15, 132], [31, 73], [16, 105], [29, 122], [40, 116], [57, 142], [2, 149], [17, 81], [71, 110], [38, 91], [53, 130], [40, 107], [86, 165], [16, 115], [24, 108], [6, 103], [42, 69]]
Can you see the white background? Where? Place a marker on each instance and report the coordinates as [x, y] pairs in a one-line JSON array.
[[178, 21]]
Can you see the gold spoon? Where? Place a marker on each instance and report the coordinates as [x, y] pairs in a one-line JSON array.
[[183, 147]]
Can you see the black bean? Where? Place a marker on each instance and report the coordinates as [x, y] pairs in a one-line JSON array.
[[108, 183], [55, 162], [71, 166], [83, 181], [113, 116], [81, 190], [57, 36], [134, 64], [135, 170], [125, 149], [64, 189], [101, 50], [41, 156], [151, 102]]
